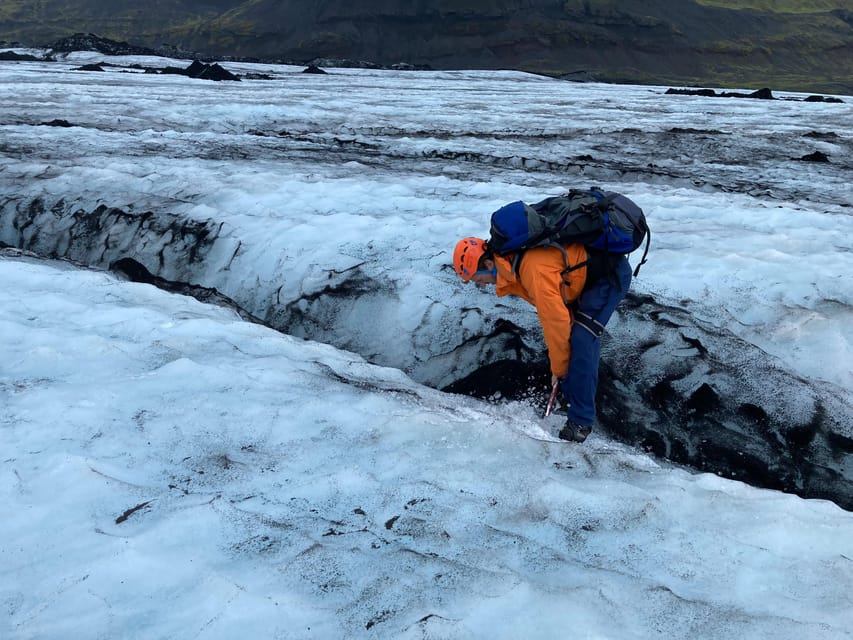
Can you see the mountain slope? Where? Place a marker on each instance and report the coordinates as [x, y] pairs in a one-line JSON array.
[[794, 44]]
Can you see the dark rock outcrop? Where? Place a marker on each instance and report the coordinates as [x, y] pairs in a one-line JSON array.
[[11, 56], [57, 123], [817, 156], [823, 99], [343, 63], [202, 71], [761, 94], [90, 67], [91, 42]]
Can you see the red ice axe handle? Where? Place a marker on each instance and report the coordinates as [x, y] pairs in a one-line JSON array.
[[552, 400]]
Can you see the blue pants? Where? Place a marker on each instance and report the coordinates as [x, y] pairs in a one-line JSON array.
[[593, 310]]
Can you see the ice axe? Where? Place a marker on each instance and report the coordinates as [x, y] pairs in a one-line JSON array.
[[552, 401]]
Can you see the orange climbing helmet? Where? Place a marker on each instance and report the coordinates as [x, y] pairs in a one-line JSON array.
[[467, 255]]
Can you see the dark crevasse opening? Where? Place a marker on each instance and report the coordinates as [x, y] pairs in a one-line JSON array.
[[668, 383]]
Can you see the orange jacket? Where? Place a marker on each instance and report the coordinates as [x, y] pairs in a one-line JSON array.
[[539, 281]]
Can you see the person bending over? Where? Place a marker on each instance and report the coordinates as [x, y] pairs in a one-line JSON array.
[[574, 294]]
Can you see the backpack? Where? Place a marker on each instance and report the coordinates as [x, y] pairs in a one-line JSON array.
[[604, 221]]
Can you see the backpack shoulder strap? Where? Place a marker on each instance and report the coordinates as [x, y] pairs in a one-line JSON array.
[[516, 260], [645, 252], [588, 262]]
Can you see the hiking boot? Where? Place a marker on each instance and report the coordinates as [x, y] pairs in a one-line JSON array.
[[582, 432], [574, 432]]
